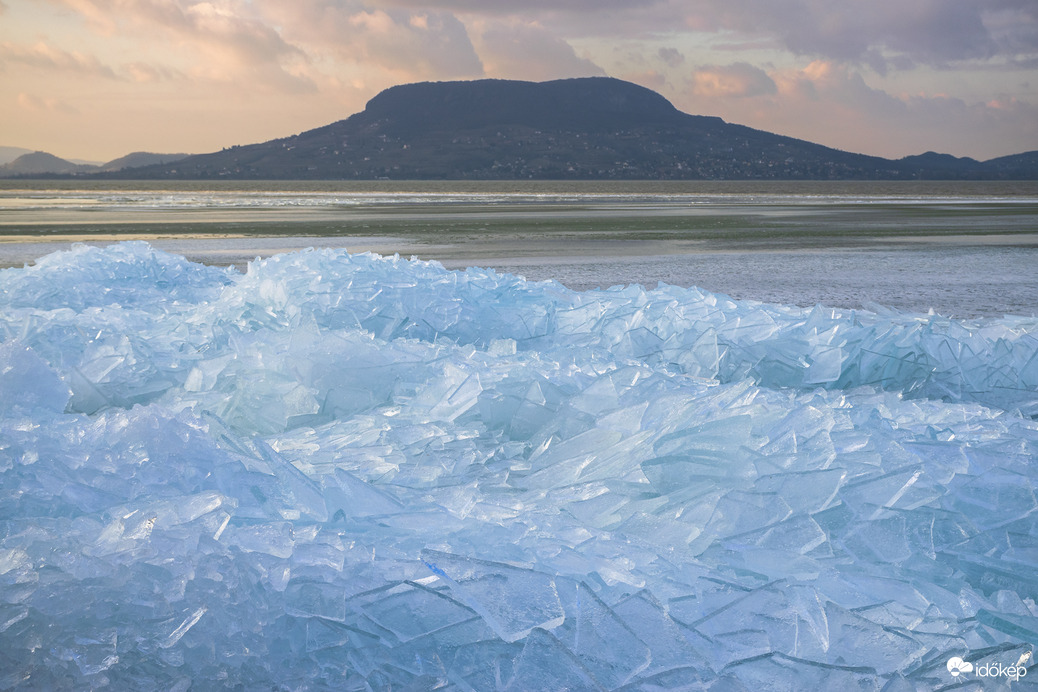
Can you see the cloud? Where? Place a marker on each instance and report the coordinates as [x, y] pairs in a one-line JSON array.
[[34, 103], [225, 39], [514, 50], [932, 32], [737, 80], [880, 33], [650, 79], [145, 73], [808, 68], [45, 57], [671, 56], [509, 7], [415, 45], [831, 103]]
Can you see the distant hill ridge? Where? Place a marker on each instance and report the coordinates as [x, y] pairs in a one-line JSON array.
[[587, 128], [42, 163]]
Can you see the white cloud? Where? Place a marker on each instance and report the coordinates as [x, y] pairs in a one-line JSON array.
[[515, 50]]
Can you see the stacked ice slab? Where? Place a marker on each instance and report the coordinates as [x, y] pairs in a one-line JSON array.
[[344, 471]]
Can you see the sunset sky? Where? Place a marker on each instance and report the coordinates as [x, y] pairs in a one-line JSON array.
[[97, 79]]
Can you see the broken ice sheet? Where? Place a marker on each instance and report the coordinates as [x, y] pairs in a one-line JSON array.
[[315, 428]]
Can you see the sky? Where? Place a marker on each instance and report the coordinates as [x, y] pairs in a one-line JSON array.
[[97, 79]]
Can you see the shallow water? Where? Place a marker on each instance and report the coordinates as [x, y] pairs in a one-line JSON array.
[[963, 249]]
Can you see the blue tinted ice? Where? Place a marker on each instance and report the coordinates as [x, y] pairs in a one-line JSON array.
[[344, 471]]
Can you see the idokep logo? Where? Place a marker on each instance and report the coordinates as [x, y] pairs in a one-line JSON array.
[[957, 666]]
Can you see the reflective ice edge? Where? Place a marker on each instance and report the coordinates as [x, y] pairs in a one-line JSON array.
[[348, 471]]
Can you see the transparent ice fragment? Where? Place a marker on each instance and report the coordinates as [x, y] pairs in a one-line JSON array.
[[316, 599], [600, 639], [1020, 627], [545, 664], [512, 600], [648, 620], [27, 383], [182, 629], [484, 665], [411, 610], [760, 673], [451, 394], [804, 492], [355, 498], [904, 488], [855, 640], [271, 539]]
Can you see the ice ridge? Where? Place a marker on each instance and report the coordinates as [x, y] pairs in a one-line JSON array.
[[339, 471]]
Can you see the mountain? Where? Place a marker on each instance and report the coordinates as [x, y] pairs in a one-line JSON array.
[[140, 158], [9, 154], [1015, 167], [932, 164], [590, 128], [40, 163]]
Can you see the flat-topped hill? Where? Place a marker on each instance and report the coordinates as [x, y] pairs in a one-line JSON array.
[[588, 128]]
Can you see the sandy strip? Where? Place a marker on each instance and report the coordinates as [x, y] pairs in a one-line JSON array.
[[112, 237]]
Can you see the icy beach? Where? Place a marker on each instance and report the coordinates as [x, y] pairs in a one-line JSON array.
[[347, 471]]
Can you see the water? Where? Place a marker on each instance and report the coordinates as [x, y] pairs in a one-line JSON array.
[[963, 249]]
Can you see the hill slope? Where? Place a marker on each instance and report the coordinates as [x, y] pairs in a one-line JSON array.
[[590, 128], [39, 163], [140, 158], [9, 154]]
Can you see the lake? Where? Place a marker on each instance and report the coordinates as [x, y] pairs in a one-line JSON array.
[[963, 249]]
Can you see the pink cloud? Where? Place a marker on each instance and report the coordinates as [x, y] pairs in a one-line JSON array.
[[830, 103], [737, 80], [226, 40], [46, 57], [34, 103], [414, 45]]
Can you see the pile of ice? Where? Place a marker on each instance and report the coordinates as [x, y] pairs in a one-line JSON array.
[[351, 472]]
